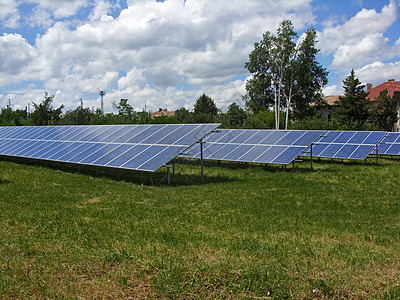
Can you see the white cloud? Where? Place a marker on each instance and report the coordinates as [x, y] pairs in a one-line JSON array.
[[100, 9], [40, 18], [75, 82], [378, 72], [9, 14], [360, 39], [365, 22], [60, 8], [332, 90], [367, 49], [18, 60], [168, 50]]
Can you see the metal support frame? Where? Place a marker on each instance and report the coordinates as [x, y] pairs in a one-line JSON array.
[[201, 160], [169, 173], [311, 155]]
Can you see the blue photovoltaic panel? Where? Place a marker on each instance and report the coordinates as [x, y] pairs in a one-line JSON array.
[[261, 146], [138, 147], [390, 144], [347, 144]]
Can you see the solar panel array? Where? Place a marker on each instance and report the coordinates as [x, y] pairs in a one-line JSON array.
[[347, 144], [390, 144], [259, 146], [137, 147]]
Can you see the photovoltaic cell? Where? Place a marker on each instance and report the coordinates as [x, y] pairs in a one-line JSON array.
[[390, 144], [262, 146], [138, 147], [347, 144]]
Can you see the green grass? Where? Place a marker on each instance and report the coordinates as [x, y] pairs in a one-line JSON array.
[[331, 233]]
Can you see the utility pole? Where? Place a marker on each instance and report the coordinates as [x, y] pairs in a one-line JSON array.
[[8, 103], [102, 93], [81, 103]]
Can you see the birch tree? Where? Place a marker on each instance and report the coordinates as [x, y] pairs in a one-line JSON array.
[[286, 74]]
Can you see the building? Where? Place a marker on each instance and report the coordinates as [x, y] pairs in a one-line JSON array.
[[327, 105], [393, 88], [162, 112]]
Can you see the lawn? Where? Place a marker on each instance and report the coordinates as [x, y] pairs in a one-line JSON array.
[[249, 232]]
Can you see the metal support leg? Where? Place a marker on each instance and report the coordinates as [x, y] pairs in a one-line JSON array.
[[201, 161], [311, 156], [117, 174], [169, 175]]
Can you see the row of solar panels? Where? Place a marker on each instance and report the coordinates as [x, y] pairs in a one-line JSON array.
[[137, 147], [149, 147], [283, 146]]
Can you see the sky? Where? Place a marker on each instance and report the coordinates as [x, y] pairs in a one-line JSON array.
[[165, 54]]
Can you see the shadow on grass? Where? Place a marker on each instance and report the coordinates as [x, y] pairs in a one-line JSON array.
[[370, 161], [273, 168], [2, 181], [159, 178]]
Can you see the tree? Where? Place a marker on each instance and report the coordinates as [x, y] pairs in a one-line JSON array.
[[353, 107], [384, 112], [270, 60], [78, 116], [10, 117], [259, 95], [125, 110], [309, 78], [44, 113], [284, 72], [183, 115], [204, 109], [235, 116]]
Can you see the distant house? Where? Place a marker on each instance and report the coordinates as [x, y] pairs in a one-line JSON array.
[[162, 112], [393, 88], [326, 106]]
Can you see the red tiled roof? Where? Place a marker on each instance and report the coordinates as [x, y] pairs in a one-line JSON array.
[[391, 86]]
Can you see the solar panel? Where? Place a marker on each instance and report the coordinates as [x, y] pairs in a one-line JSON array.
[[390, 144], [137, 147], [347, 144], [260, 146]]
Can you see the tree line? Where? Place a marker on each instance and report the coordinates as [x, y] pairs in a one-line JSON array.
[[284, 91]]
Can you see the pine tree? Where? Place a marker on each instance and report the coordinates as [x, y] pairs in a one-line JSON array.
[[353, 110], [384, 112]]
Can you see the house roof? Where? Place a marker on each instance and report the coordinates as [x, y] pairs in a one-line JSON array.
[[162, 112], [391, 86], [331, 100]]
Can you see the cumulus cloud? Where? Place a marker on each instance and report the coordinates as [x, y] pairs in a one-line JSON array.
[[368, 48], [360, 39], [60, 8], [333, 90], [378, 71], [9, 14], [18, 60], [154, 53]]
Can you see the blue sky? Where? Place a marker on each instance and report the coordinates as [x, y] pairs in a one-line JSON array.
[[167, 53]]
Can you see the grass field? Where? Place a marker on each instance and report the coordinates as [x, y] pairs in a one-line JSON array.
[[330, 233]]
